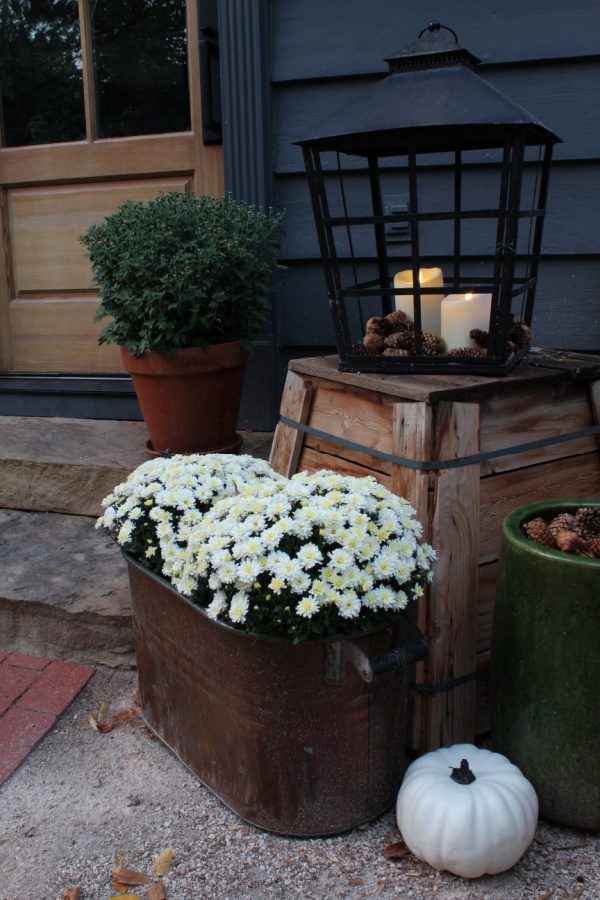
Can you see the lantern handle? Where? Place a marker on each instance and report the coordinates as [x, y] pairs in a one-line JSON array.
[[435, 26]]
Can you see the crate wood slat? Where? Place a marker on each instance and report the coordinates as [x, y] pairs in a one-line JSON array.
[[412, 432], [287, 442], [436, 417], [453, 593]]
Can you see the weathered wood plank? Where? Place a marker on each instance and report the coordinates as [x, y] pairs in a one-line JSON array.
[[453, 592], [413, 439], [359, 416], [578, 476], [287, 442], [485, 606], [539, 412], [434, 388], [313, 461]]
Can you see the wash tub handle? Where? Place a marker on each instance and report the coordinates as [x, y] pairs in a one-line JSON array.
[[340, 652]]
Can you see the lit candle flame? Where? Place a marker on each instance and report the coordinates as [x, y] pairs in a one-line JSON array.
[[468, 296]]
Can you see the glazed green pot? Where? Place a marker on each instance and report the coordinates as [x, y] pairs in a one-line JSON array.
[[545, 676]]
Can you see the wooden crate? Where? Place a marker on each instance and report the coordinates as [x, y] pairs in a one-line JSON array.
[[434, 418]]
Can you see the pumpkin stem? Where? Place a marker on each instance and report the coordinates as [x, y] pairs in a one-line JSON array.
[[463, 775]]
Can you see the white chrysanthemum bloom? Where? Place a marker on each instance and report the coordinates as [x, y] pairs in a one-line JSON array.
[[340, 559], [238, 608], [348, 605], [309, 556], [125, 532], [307, 608], [217, 605]]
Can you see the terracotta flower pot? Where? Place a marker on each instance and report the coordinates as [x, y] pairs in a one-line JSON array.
[[546, 668], [190, 400]]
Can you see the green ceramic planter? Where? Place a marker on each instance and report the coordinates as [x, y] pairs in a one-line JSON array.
[[546, 668]]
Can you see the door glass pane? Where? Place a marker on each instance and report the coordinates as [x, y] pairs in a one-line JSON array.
[[140, 52], [41, 83]]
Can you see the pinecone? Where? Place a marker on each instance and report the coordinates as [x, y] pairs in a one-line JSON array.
[[401, 340], [565, 521], [433, 345], [391, 351], [587, 522], [397, 319], [374, 343], [568, 541], [480, 337], [591, 549], [359, 349], [518, 332], [537, 531], [467, 351], [380, 326]]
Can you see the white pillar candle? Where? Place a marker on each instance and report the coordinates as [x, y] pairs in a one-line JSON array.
[[430, 303], [460, 313]]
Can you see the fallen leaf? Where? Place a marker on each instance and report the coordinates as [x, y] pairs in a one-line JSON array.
[[234, 827], [355, 882], [396, 850], [157, 891], [128, 876], [162, 863], [72, 894], [117, 886], [332, 858], [130, 897]]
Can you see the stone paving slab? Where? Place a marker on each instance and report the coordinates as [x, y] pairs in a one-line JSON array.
[[63, 590], [40, 691]]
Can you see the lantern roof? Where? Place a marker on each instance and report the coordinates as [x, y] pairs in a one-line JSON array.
[[432, 97]]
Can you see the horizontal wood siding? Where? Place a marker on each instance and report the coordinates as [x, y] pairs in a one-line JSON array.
[[544, 55]]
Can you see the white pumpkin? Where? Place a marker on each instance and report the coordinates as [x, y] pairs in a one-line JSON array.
[[469, 829]]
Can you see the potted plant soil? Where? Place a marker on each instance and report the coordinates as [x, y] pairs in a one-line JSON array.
[[270, 632], [545, 659], [186, 281]]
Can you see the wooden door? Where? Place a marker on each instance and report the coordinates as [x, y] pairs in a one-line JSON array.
[[72, 154]]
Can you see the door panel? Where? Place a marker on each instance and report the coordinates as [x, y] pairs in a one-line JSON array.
[[45, 223], [51, 192]]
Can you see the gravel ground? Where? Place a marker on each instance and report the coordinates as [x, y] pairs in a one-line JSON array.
[[82, 798]]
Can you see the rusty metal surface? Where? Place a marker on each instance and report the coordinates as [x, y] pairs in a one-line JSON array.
[[252, 717]]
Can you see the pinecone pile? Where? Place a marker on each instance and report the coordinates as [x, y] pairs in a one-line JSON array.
[[394, 335], [579, 533]]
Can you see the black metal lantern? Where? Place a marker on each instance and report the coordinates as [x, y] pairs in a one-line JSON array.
[[429, 194]]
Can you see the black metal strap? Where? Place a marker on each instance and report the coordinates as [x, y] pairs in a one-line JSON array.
[[426, 688], [437, 465]]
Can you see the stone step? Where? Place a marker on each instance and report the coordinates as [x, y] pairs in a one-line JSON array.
[[69, 465], [65, 465], [64, 592]]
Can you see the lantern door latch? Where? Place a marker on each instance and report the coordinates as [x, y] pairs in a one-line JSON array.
[[396, 232]]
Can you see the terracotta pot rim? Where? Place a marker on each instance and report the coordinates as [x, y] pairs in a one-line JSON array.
[[253, 635], [180, 351], [512, 529]]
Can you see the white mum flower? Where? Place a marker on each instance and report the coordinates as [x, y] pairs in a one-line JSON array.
[[307, 607], [348, 605], [238, 608], [309, 556], [217, 605]]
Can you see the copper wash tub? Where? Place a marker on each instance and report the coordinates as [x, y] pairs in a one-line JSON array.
[[301, 740]]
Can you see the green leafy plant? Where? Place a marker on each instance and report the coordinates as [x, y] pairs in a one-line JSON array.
[[183, 271]]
